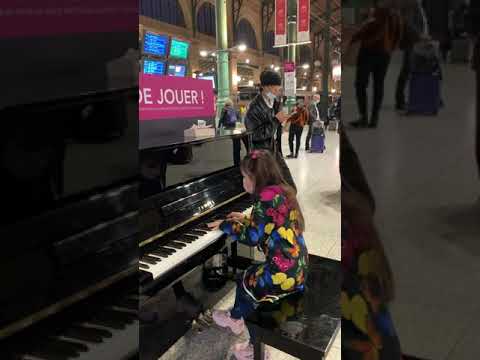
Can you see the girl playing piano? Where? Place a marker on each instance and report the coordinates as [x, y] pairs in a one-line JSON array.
[[275, 226]]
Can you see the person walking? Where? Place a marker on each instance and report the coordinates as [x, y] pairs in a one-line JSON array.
[[263, 118], [314, 115], [297, 121], [415, 27], [229, 117], [378, 38]]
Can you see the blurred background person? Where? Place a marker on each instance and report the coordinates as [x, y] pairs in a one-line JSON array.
[[378, 38], [314, 115], [297, 121]]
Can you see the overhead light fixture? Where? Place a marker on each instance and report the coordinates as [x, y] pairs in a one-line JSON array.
[[242, 47], [272, 66], [213, 53], [334, 91], [203, 53], [318, 76], [304, 74], [306, 66], [315, 89], [277, 68], [247, 61]]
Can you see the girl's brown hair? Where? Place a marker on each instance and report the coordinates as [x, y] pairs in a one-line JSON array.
[[262, 167]]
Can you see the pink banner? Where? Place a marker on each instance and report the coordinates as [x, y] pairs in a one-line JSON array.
[[289, 67], [35, 18], [303, 21], [280, 22], [171, 97]]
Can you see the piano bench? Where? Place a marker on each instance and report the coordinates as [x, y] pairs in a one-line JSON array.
[[302, 325]]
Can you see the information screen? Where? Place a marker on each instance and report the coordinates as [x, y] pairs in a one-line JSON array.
[[179, 49], [154, 67], [177, 70], [155, 44], [208, 77]]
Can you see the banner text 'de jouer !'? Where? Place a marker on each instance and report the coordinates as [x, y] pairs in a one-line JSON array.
[[170, 97]]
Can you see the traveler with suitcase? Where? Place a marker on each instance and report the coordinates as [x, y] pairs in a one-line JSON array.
[[414, 26], [378, 38]]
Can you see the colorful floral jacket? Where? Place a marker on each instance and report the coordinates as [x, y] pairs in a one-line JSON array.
[[368, 332], [273, 228]]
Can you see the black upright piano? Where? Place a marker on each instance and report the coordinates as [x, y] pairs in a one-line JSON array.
[[183, 186], [69, 228]]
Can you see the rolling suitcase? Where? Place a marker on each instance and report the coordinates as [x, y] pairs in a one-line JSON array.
[[424, 94], [318, 138]]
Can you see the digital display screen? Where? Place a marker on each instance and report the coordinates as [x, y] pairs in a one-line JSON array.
[[179, 49], [177, 70], [208, 77], [155, 44], [154, 67]]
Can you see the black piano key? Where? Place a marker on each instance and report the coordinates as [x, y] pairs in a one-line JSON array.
[[175, 245], [160, 253], [103, 319], [143, 266], [184, 240], [163, 248], [87, 334], [148, 260], [48, 348], [197, 232]]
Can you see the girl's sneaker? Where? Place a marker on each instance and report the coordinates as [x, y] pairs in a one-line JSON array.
[[222, 318], [244, 351]]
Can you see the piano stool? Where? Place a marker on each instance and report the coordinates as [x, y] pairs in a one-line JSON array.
[[302, 325]]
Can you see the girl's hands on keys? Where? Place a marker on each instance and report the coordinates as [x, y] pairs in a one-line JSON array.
[[215, 225], [235, 216]]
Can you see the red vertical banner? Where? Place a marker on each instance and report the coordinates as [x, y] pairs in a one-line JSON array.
[[280, 22], [303, 20]]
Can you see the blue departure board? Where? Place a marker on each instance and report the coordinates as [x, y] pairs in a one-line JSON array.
[[155, 44], [177, 70], [153, 67]]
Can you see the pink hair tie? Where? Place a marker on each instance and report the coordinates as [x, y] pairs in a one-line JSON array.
[[255, 154]]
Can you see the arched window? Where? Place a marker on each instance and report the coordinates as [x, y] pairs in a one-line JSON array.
[[269, 42], [168, 11], [305, 54], [206, 19], [245, 34]]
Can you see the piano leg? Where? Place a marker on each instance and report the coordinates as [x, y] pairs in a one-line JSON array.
[[186, 303]]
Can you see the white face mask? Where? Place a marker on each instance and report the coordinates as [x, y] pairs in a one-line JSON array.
[[270, 96]]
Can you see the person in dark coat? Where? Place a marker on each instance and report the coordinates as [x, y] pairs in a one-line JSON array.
[[314, 115], [264, 117], [415, 26]]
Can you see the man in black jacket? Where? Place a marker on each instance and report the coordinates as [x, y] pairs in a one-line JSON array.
[[264, 117]]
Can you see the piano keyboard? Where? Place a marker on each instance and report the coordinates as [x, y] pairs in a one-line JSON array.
[[110, 333], [179, 247]]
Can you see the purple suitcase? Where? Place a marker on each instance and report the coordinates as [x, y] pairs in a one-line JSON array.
[[424, 94], [318, 143]]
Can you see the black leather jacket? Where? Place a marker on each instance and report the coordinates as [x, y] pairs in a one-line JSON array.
[[261, 120]]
